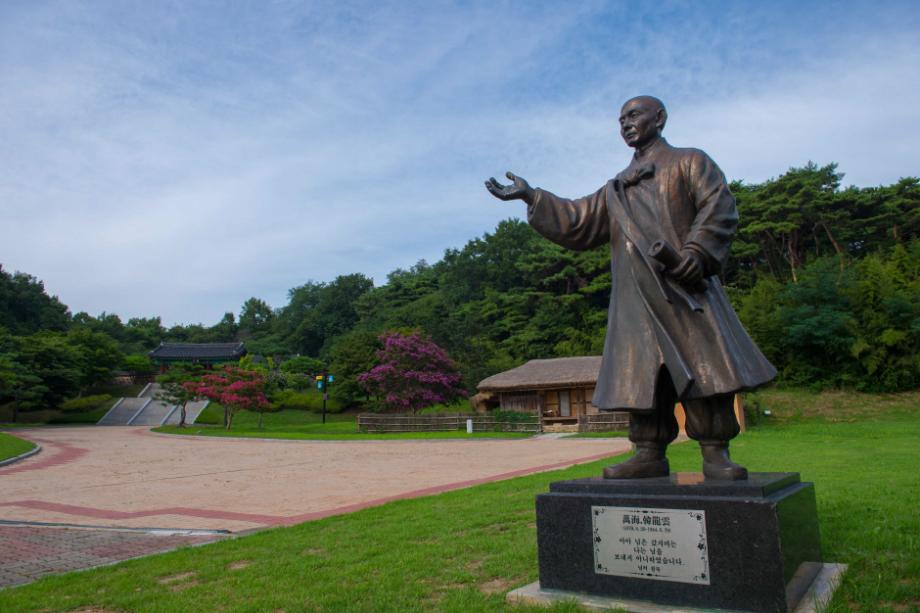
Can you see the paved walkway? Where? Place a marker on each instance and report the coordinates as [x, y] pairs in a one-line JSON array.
[[131, 477], [27, 553]]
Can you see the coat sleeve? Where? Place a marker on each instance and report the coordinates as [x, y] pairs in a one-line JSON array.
[[577, 224], [716, 217]]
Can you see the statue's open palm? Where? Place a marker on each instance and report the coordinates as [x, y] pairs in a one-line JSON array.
[[518, 190]]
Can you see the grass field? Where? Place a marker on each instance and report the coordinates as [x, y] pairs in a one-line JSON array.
[[463, 550], [307, 425], [10, 446]]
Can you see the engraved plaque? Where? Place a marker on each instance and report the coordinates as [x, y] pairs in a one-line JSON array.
[[662, 544]]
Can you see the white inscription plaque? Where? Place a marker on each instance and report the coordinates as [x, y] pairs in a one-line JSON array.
[[662, 544]]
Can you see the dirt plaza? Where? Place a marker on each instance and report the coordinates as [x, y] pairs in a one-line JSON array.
[[132, 477]]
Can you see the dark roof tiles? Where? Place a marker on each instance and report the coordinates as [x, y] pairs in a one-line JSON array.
[[198, 351]]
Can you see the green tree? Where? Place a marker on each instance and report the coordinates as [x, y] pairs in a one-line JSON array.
[[141, 334], [302, 365], [138, 365], [350, 355], [50, 368], [225, 330], [177, 386], [255, 317], [885, 293], [788, 218], [18, 385], [25, 307], [99, 355], [318, 312]]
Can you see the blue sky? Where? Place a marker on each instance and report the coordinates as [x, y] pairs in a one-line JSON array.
[[176, 158]]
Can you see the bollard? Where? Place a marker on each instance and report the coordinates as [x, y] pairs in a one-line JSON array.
[[469, 426]]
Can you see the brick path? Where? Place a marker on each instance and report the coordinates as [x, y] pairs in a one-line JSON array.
[[27, 552]]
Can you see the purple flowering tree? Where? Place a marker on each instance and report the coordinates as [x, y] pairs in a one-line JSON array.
[[412, 373]]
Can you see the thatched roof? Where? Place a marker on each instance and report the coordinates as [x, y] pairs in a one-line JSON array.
[[545, 374]]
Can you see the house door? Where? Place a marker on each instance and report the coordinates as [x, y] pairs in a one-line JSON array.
[[565, 406]]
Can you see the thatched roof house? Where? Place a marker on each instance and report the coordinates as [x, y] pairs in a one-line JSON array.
[[559, 389], [545, 374]]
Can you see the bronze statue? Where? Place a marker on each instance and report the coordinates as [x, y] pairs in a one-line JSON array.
[[671, 331]]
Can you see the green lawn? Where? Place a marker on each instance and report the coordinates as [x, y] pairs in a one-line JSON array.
[[10, 446], [308, 426], [613, 434], [463, 550]]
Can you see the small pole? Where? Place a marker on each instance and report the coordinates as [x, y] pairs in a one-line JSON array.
[[325, 396]]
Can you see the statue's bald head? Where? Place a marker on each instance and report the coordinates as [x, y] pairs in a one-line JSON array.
[[652, 101], [642, 119]]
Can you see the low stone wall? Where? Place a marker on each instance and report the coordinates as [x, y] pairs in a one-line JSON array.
[[441, 422], [604, 422]]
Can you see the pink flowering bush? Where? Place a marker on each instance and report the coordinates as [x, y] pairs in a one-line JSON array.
[[412, 373], [234, 388]]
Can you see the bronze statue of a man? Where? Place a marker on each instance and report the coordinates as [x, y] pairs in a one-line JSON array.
[[671, 331]]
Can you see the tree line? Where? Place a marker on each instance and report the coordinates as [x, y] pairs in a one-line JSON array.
[[826, 279]]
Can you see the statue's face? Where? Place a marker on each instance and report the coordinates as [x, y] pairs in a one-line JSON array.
[[639, 122]]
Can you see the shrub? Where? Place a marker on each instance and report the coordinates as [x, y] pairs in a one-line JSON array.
[[753, 410], [296, 401], [138, 365], [512, 417], [302, 365], [310, 400], [86, 403]]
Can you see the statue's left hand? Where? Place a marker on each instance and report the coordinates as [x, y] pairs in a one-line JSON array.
[[689, 272]]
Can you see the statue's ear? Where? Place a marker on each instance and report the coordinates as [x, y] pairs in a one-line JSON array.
[[661, 119]]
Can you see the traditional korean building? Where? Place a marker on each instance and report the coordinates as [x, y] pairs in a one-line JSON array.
[[207, 354], [559, 390]]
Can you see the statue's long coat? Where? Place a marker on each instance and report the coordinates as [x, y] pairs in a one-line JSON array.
[[681, 196]]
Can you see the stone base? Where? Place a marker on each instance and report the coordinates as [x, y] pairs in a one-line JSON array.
[[748, 545], [814, 599]]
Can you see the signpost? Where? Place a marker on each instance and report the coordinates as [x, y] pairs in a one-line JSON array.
[[322, 383]]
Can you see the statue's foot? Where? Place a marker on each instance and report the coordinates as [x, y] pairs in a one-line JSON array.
[[717, 464], [645, 464]]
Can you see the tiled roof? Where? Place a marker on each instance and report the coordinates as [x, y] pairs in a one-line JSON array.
[[543, 374], [198, 351]]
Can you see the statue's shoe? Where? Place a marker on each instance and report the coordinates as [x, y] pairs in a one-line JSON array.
[[718, 465], [723, 472], [637, 468]]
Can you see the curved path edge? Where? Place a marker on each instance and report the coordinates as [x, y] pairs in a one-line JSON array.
[[22, 456]]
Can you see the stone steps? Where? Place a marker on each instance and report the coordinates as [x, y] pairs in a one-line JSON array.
[[153, 414], [192, 411], [145, 410], [123, 411], [560, 427]]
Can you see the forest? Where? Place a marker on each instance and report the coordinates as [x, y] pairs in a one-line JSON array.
[[825, 278]]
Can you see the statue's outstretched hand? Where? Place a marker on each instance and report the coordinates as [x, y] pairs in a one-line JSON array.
[[518, 190]]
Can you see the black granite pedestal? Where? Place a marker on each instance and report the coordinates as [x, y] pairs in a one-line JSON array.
[[682, 540]]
